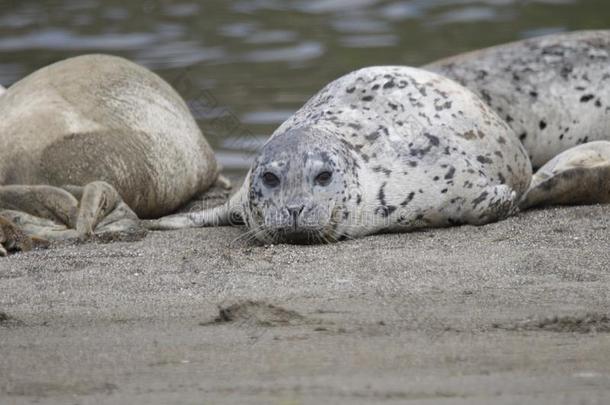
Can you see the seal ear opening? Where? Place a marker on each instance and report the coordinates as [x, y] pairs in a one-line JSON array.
[[580, 175]]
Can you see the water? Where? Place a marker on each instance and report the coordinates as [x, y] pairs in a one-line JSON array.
[[245, 65]]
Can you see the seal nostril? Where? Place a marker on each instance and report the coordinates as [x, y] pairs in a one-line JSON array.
[[295, 211]]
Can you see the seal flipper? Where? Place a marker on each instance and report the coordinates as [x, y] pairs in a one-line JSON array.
[[69, 212], [11, 237], [495, 203], [226, 214], [580, 175]]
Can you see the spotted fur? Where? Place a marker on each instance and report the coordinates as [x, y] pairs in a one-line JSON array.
[[553, 91]]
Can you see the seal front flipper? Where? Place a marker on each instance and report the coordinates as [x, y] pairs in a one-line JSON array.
[[495, 203], [102, 213], [69, 212], [227, 214], [14, 239], [580, 175]]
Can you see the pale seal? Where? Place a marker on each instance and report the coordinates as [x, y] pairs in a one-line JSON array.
[[554, 92], [580, 175], [393, 148], [83, 135]]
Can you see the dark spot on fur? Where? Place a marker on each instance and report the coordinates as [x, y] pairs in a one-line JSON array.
[[381, 194], [408, 199], [566, 70], [372, 136], [469, 135], [479, 199], [450, 173], [483, 159], [445, 106], [485, 95], [434, 141], [542, 124], [385, 210], [385, 171], [586, 98]]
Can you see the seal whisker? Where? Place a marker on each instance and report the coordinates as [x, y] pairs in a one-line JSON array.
[[248, 236]]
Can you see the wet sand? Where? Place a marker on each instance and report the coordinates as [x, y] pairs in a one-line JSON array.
[[509, 313]]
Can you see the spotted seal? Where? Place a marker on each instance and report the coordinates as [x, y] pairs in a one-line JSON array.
[[91, 143], [394, 148], [554, 92]]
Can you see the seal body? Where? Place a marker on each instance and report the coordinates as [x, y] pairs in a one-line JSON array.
[[102, 118], [382, 149], [425, 152], [554, 91]]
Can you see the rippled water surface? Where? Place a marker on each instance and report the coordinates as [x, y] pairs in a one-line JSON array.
[[250, 63]]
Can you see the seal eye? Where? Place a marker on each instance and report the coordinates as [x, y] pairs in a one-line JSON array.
[[270, 179], [323, 179]]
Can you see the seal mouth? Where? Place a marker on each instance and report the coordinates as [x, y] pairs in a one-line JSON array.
[[311, 234], [299, 236]]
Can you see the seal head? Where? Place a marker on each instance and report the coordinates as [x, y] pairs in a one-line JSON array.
[[299, 188]]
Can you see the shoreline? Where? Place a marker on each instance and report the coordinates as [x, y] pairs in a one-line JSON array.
[[514, 311]]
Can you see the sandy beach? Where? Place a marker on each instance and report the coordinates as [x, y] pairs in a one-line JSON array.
[[512, 312]]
